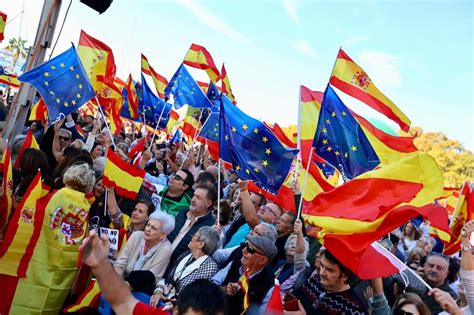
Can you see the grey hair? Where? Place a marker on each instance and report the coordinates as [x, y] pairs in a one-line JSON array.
[[270, 231], [211, 239], [427, 239], [166, 220], [293, 236], [79, 177]]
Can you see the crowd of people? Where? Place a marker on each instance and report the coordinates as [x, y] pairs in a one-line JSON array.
[[195, 230]]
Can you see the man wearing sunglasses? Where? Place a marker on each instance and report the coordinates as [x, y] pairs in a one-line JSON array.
[[174, 196], [258, 252]]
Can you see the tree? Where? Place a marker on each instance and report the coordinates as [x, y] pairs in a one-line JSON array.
[[18, 47], [456, 163]]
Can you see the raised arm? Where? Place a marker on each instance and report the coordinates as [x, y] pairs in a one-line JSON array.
[[248, 208]]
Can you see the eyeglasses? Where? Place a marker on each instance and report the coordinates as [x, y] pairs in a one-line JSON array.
[[64, 138], [197, 236], [252, 250], [267, 209], [177, 177], [254, 231]]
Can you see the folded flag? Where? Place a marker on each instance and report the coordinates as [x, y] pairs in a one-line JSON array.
[[186, 91], [62, 83], [351, 79], [122, 176], [254, 151], [198, 57], [340, 140]]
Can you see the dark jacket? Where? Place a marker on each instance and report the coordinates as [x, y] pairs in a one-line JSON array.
[[180, 219]]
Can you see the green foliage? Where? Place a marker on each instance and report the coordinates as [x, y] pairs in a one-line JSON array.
[[18, 47], [456, 163]]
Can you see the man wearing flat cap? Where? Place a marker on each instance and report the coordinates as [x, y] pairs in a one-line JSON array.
[[258, 252]]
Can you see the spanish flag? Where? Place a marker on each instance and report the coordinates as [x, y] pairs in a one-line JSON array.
[[348, 77], [53, 264], [132, 97], [225, 85], [160, 81], [280, 134], [198, 57], [191, 123], [3, 22], [244, 286], [89, 299], [30, 142], [39, 111], [7, 188], [126, 179], [22, 233], [10, 79], [463, 212], [97, 59], [172, 121]]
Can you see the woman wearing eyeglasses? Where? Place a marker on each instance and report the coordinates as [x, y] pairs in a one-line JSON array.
[[198, 264]]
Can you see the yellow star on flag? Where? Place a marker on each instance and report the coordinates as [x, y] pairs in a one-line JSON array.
[[255, 169], [62, 65], [337, 153], [46, 83], [234, 129], [325, 130], [333, 114], [245, 127], [226, 137], [66, 104], [329, 149], [265, 163], [354, 148], [73, 102], [51, 92], [78, 76], [265, 139], [325, 141], [46, 74], [247, 171], [328, 121], [255, 131], [268, 151], [346, 155], [78, 95], [343, 113], [80, 86], [58, 100], [71, 68], [237, 168], [53, 67]]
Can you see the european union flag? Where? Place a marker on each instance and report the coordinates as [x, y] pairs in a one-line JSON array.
[[186, 91], [62, 83], [210, 129], [340, 140], [214, 96], [154, 107], [254, 151]]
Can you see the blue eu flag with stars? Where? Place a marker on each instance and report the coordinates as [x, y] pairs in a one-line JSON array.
[[254, 151], [153, 107], [340, 139], [62, 83], [186, 91]]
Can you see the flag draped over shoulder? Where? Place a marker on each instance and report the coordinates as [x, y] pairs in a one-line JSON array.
[[186, 91], [22, 233], [53, 265], [252, 148], [225, 85], [39, 111], [159, 80], [7, 182], [125, 178], [351, 79], [29, 142], [198, 57], [340, 140], [62, 83], [352, 216], [98, 60], [463, 212]]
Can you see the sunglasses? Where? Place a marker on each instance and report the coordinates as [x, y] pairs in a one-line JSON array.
[[64, 138], [252, 250], [177, 177], [402, 312]]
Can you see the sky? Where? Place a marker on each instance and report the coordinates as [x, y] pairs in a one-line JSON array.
[[418, 53]]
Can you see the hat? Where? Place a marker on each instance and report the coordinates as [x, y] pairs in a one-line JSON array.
[[264, 244]]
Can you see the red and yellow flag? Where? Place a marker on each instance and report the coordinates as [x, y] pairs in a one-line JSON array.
[[89, 299], [160, 81], [191, 123], [244, 286], [3, 22], [281, 135], [225, 85], [53, 264], [132, 97], [174, 117], [198, 57], [30, 142], [22, 233], [463, 212], [97, 59], [285, 197], [39, 111], [351, 79], [126, 179], [10, 79], [7, 188]]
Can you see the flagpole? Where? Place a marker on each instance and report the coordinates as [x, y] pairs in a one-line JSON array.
[[157, 124], [218, 191], [196, 134], [304, 183], [105, 120]]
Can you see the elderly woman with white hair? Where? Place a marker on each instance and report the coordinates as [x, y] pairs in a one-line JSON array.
[[190, 266], [147, 251]]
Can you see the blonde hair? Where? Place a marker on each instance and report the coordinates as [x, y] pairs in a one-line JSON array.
[[79, 177]]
